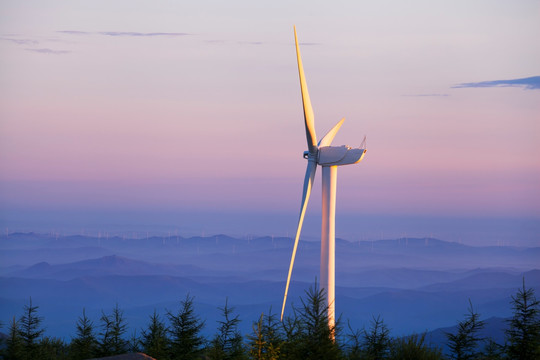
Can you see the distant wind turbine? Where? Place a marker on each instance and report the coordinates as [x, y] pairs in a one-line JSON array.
[[329, 158]]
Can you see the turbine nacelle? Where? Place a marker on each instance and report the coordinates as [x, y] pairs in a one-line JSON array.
[[336, 155], [339, 155]]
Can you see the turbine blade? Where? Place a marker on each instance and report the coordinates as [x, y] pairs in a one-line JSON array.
[[327, 139], [309, 118], [308, 184]]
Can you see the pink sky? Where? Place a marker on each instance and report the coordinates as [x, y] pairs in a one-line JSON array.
[[149, 105]]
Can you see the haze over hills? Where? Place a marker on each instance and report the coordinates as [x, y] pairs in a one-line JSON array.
[[414, 284]]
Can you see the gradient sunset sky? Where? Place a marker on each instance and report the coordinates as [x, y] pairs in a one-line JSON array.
[[188, 115]]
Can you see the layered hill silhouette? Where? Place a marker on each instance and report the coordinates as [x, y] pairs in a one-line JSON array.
[[415, 285]]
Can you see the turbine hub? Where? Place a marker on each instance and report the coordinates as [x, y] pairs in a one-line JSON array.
[[310, 156]]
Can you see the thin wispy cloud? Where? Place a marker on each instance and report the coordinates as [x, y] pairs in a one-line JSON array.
[[264, 42], [57, 40], [74, 32], [139, 34], [31, 45], [49, 51], [20, 41], [529, 83], [251, 42], [124, 33], [425, 95]]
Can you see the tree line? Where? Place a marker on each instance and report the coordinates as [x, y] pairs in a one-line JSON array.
[[303, 335]]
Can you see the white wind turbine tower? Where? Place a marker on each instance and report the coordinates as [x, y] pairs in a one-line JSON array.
[[329, 158]]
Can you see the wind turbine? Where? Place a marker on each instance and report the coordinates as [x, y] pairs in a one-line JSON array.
[[329, 158]]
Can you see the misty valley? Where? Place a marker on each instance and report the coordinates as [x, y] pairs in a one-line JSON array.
[[415, 285]]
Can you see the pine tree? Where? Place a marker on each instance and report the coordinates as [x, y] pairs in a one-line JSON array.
[[30, 330], [51, 348], [265, 341], [354, 343], [413, 347], [134, 343], [273, 336], [376, 341], [185, 328], [463, 345], [292, 336], [84, 345], [154, 340], [227, 344], [524, 332], [492, 351], [314, 339], [14, 346], [113, 329], [3, 340]]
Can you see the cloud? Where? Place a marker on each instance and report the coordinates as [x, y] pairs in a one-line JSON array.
[[74, 32], [123, 33], [139, 34], [49, 51], [251, 42], [32, 42], [422, 95], [529, 83], [22, 41]]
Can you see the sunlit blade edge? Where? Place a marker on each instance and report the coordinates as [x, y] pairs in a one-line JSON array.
[[327, 139], [308, 184], [309, 118]]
